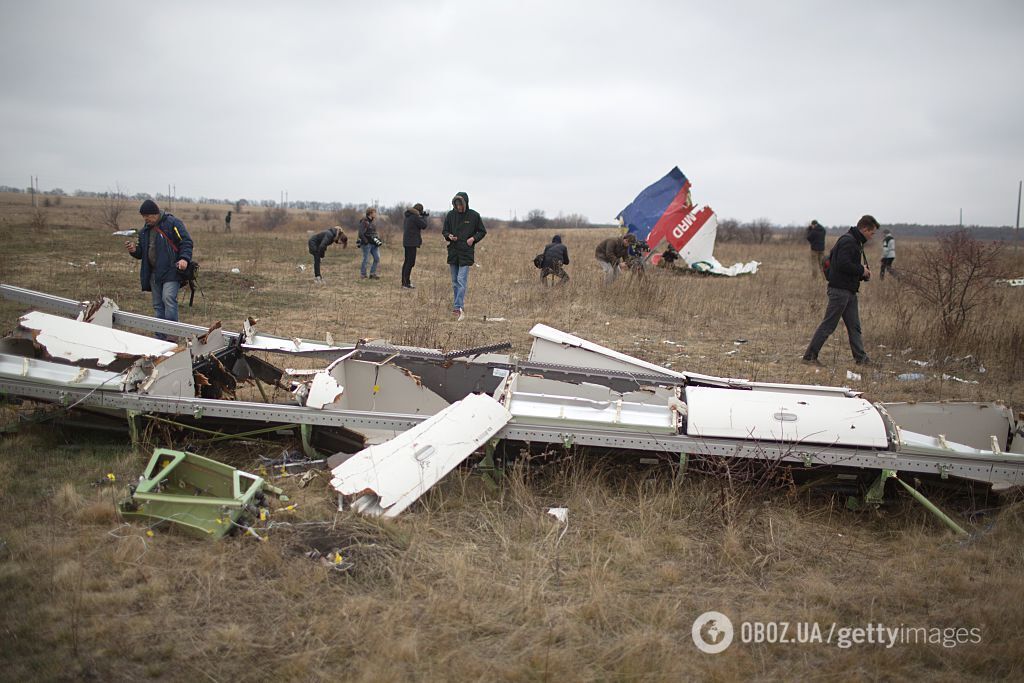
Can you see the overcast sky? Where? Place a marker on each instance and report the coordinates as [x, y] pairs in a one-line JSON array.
[[789, 110]]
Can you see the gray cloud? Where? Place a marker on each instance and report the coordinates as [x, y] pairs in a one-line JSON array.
[[906, 110]]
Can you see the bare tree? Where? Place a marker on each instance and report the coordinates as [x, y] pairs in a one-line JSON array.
[[952, 277], [113, 205], [760, 230], [728, 230]]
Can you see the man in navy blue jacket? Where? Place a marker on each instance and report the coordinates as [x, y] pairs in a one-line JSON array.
[[165, 249], [847, 269]]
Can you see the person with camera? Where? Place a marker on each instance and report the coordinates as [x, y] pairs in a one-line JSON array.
[[463, 228], [847, 268], [415, 223], [369, 241], [816, 237], [165, 249], [318, 244]]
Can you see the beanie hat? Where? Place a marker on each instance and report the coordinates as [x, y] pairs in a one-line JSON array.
[[557, 239], [149, 207], [418, 207]]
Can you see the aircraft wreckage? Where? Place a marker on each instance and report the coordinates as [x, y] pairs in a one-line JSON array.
[[395, 420]]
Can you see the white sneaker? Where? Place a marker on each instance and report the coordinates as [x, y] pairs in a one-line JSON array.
[[461, 316], [318, 279]]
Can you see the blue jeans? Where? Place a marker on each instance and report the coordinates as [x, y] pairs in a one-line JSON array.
[[460, 280], [165, 298], [367, 250]]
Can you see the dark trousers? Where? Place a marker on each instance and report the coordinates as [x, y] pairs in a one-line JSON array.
[[408, 265], [842, 304], [316, 265], [886, 266], [554, 270]]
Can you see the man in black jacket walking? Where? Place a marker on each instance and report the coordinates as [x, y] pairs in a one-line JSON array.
[[415, 223], [847, 269]]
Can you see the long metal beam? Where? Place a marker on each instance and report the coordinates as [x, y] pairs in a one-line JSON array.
[[1005, 468]]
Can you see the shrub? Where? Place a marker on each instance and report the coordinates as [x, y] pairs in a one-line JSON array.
[[953, 277]]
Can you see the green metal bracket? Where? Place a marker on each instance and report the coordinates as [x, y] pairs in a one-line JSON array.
[[306, 431], [135, 428], [933, 508], [203, 497], [874, 495], [683, 462], [943, 471], [492, 474], [808, 459]]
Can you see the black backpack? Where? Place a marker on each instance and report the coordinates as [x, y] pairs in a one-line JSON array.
[[538, 260]]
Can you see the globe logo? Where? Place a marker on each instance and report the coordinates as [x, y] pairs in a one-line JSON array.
[[712, 632]]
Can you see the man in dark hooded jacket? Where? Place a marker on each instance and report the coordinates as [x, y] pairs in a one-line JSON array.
[[816, 237], [847, 269], [165, 249], [318, 244], [555, 256], [415, 223], [463, 228]]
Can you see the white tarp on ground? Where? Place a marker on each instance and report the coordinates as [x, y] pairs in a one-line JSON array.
[[384, 480]]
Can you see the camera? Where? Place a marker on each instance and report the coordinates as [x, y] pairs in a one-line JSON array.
[[377, 242], [425, 214]]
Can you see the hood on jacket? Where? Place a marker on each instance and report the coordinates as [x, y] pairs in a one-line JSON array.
[[557, 239], [465, 198]]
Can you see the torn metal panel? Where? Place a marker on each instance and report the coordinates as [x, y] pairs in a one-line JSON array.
[[384, 480], [554, 346], [76, 341], [254, 341], [381, 387], [324, 389], [99, 312], [170, 376], [784, 417], [208, 343], [970, 423], [544, 401], [58, 374]]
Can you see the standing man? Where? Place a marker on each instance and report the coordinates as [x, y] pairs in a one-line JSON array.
[[227, 222], [555, 256], [611, 252], [318, 244], [463, 228], [847, 269], [165, 249], [412, 238], [369, 241], [888, 253], [816, 236]]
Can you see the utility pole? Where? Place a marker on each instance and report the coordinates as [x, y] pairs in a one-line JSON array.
[[1016, 229], [32, 189], [961, 217]]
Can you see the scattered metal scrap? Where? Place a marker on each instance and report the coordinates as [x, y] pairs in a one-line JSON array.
[[568, 391]]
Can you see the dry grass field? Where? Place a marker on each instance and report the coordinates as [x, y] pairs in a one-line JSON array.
[[477, 583]]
